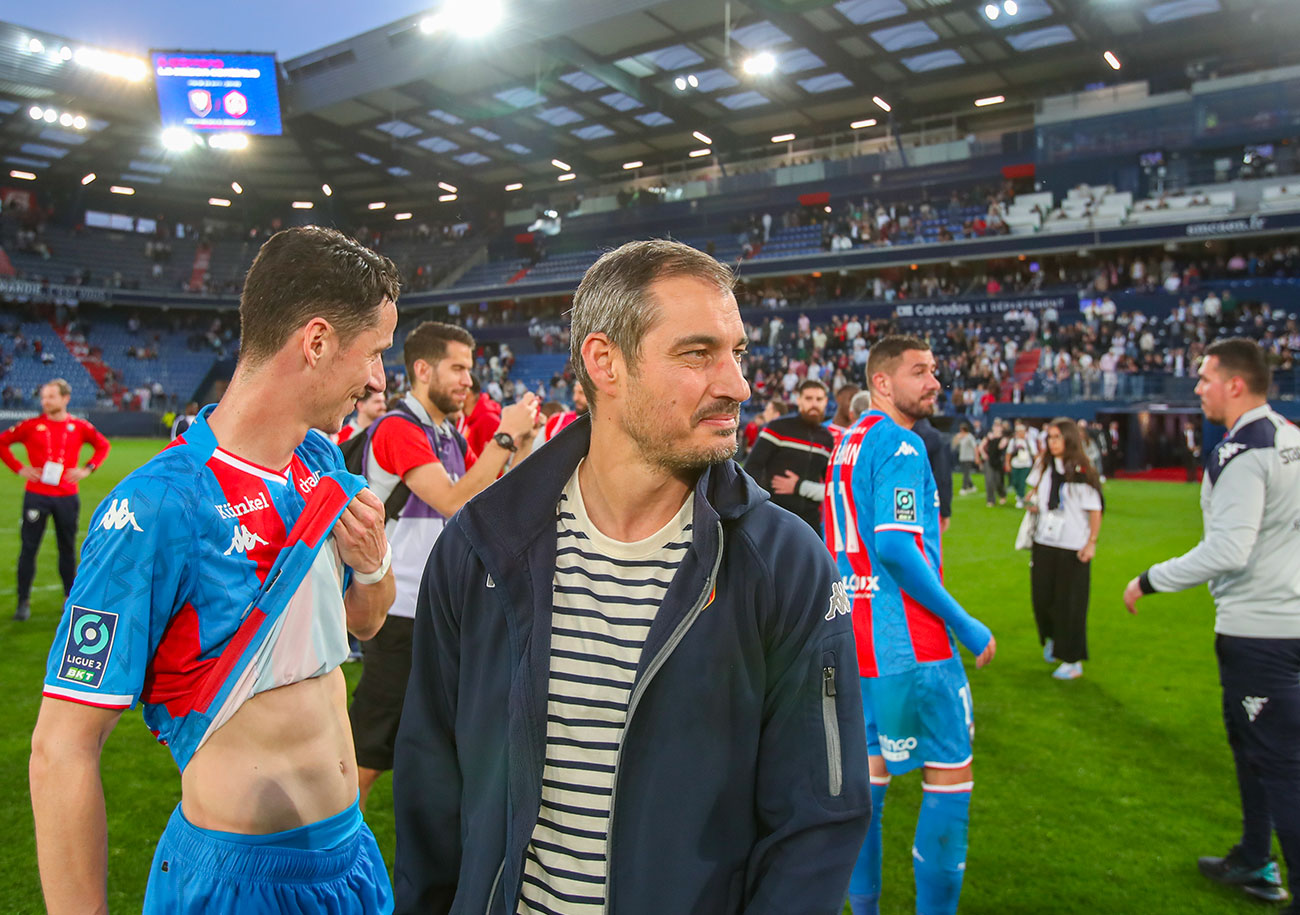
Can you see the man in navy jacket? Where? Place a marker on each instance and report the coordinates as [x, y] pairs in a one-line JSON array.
[[738, 778]]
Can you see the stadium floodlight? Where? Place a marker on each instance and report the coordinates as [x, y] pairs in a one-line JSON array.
[[327, 190], [449, 188], [635, 163], [680, 83], [867, 122], [65, 119], [79, 123], [302, 204], [760, 64], [377, 205], [36, 46], [218, 202], [783, 138], [121, 189], [990, 100], [446, 198], [65, 53], [228, 141], [992, 12], [702, 138], [1011, 7], [36, 112], [178, 139], [692, 81], [1112, 60], [236, 187], [881, 103], [567, 177], [50, 116], [86, 179], [466, 18], [697, 153], [401, 216], [515, 186], [562, 166], [25, 176], [122, 65]]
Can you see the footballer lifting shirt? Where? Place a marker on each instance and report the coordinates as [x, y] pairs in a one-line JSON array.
[[205, 580]]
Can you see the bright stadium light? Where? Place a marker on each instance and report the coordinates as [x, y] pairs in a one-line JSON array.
[[702, 138], [515, 186], [858, 125], [79, 123], [991, 100], [65, 53], [783, 138], [302, 204], [36, 46], [327, 190], [236, 187], [446, 198], [680, 83], [218, 202], [50, 116], [88, 178], [760, 64], [120, 189], [992, 12], [1112, 60], [569, 177], [65, 119], [401, 216], [36, 112], [697, 153], [635, 163], [562, 166], [881, 103], [129, 68], [24, 176], [228, 141], [1011, 7], [377, 205], [466, 18], [178, 139], [692, 81], [449, 188]]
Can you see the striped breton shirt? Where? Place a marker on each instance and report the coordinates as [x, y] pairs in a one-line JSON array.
[[606, 595]]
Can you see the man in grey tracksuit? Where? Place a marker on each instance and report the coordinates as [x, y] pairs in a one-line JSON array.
[[1250, 499]]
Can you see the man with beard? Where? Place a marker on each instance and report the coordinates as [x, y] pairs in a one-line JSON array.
[[415, 446], [883, 526], [632, 687], [791, 455]]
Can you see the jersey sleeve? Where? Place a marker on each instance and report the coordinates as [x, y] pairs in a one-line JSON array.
[[896, 486], [134, 575], [400, 446]]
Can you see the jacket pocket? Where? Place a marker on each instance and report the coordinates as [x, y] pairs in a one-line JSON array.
[[831, 725]]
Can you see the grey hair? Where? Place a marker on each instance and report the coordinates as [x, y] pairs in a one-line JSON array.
[[613, 298], [860, 404]]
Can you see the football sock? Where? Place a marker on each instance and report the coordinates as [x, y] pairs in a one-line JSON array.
[[939, 849], [864, 886]]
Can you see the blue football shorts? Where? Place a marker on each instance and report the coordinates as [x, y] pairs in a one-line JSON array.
[[332, 867], [923, 717]]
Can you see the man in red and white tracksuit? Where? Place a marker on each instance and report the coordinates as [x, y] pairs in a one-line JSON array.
[[479, 418], [369, 409], [558, 421], [53, 441]]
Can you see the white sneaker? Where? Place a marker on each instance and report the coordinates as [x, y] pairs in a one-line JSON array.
[[1069, 671], [1019, 504], [1048, 646]]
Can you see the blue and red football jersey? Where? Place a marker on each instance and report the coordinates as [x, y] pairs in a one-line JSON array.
[[880, 480], [205, 580]]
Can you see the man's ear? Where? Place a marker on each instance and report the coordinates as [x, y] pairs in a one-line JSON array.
[[604, 363], [318, 338]]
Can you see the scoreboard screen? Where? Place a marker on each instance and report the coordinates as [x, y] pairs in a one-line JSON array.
[[212, 91]]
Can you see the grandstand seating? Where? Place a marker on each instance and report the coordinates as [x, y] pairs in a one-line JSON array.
[[28, 373]]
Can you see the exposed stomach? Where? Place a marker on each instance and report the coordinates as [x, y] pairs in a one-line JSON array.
[[283, 760]]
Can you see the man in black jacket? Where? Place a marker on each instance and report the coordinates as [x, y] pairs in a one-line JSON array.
[[791, 454], [633, 687]]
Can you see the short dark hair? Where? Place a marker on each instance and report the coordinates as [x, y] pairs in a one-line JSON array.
[[1245, 359], [812, 383], [888, 350], [311, 272], [428, 341], [781, 406]]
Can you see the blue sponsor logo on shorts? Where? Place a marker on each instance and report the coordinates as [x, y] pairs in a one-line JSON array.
[[88, 646]]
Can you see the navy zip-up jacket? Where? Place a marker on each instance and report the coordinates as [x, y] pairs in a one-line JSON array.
[[741, 782]]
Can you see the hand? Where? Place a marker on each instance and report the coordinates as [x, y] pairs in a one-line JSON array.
[[1089, 550], [75, 474], [987, 654], [943, 524], [1132, 594], [359, 533], [786, 483], [30, 473], [519, 418]]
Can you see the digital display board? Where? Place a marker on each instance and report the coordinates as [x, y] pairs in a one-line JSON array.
[[213, 91]]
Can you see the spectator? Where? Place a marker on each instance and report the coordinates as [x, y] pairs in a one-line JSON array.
[[1019, 461], [791, 454], [966, 446], [992, 454]]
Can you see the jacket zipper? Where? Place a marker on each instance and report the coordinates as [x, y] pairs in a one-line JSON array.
[[496, 881], [678, 634], [831, 722]]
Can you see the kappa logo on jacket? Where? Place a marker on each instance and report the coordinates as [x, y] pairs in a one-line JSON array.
[[118, 516], [1228, 450], [840, 603]]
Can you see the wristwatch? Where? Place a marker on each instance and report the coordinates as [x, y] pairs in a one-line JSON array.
[[506, 441]]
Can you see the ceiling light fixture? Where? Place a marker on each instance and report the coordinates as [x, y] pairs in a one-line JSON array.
[[991, 100], [680, 83], [783, 138], [449, 188], [25, 176], [636, 163], [692, 81], [992, 12], [446, 198], [1111, 59], [327, 190], [858, 125], [1011, 7], [562, 166], [760, 64], [401, 216], [88, 178], [514, 186], [377, 205], [236, 187], [569, 177], [697, 153], [218, 202], [881, 103], [302, 204], [119, 189], [702, 138]]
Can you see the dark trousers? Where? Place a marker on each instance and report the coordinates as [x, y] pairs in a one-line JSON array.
[[1059, 585], [995, 483], [36, 509], [377, 702], [1261, 710]]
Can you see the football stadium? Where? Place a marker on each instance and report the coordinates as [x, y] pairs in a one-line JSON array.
[[647, 435]]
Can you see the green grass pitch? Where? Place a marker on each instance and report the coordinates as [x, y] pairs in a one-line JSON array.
[[1092, 796]]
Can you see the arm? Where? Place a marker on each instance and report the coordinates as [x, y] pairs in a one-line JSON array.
[[363, 546], [1094, 528], [432, 486], [92, 437], [907, 565], [10, 437], [808, 834], [1236, 511], [426, 769], [68, 805]]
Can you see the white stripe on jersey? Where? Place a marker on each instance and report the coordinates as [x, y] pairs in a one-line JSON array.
[[606, 595]]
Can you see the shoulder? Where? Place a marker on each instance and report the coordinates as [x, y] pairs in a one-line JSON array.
[[1257, 436], [776, 538], [319, 453], [162, 489]]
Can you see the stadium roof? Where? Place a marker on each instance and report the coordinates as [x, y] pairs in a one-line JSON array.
[[390, 113]]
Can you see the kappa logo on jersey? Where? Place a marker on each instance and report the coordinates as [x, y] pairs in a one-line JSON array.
[[905, 504], [1254, 705], [239, 509], [1227, 450], [88, 646], [840, 603], [118, 516], [243, 541], [905, 450]]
